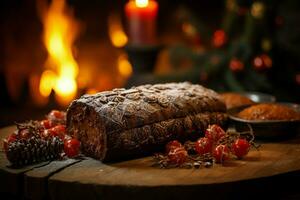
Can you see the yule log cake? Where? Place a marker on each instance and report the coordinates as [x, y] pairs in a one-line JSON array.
[[126, 123]]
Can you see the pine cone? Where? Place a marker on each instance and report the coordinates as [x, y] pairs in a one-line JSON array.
[[35, 149]]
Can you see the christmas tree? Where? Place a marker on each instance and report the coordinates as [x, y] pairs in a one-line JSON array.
[[244, 54]]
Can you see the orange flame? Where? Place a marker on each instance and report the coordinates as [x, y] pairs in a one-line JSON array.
[[60, 32], [124, 66], [119, 39], [116, 32]]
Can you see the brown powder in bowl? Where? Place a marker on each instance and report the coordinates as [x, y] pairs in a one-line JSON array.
[[269, 112], [234, 100]]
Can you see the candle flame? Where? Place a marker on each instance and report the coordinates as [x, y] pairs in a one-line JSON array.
[[60, 31], [141, 3]]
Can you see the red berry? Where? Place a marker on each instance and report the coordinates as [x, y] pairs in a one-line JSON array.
[[12, 137], [71, 147], [221, 153], [47, 124], [203, 146], [56, 115], [9, 139], [214, 133], [177, 155], [59, 130], [240, 148], [172, 145]]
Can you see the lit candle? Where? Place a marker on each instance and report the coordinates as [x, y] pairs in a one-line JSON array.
[[141, 19]]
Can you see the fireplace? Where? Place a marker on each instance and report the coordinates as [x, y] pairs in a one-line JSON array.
[[54, 52]]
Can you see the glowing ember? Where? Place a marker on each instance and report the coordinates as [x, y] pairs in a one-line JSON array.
[[60, 32], [141, 3]]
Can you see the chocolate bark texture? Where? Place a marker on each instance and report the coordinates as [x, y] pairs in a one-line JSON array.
[[127, 123]]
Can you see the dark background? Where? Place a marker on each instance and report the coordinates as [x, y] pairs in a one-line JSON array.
[[22, 51]]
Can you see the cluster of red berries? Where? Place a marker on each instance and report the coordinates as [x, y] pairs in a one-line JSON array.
[[52, 126], [215, 143]]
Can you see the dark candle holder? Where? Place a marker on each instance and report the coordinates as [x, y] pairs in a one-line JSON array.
[[142, 58]]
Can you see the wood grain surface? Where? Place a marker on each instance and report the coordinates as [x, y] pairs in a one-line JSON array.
[[260, 172]]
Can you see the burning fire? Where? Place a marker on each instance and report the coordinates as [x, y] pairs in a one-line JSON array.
[[124, 66], [47, 82], [119, 39], [60, 32], [116, 32]]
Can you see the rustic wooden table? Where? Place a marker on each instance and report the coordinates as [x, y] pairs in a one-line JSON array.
[[269, 172]]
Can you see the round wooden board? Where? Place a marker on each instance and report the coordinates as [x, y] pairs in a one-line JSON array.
[[92, 179]]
